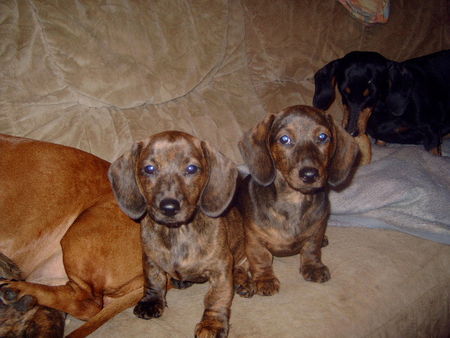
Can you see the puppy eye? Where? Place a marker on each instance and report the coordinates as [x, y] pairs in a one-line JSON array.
[[150, 169], [285, 139], [323, 138], [191, 169]]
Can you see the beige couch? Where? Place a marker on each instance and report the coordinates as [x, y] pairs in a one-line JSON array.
[[97, 75]]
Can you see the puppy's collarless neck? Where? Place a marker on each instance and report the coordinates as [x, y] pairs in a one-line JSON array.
[[198, 222]]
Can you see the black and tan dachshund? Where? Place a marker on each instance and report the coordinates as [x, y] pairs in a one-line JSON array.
[[396, 102]]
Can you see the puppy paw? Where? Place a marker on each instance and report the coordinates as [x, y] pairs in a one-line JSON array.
[[149, 308], [246, 290], [325, 241], [243, 284], [316, 273], [267, 287], [211, 329], [179, 284]]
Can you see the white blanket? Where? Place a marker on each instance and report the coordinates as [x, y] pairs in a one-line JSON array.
[[404, 188]]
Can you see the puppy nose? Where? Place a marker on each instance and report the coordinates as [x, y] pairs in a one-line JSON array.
[[169, 206], [308, 174]]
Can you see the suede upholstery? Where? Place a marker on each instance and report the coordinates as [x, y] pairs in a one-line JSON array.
[[100, 75]]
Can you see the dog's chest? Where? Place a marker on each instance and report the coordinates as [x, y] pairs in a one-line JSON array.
[[288, 217], [284, 221], [184, 252]]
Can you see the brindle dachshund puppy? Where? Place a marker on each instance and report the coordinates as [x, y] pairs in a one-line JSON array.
[[180, 189], [292, 156]]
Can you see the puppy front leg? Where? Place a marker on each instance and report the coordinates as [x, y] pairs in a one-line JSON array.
[[260, 260], [243, 284], [155, 286], [217, 303], [311, 266]]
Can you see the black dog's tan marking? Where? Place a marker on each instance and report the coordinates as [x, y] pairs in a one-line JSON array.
[[395, 102], [180, 189], [292, 156]]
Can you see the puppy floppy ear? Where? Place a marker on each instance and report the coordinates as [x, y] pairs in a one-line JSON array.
[[254, 148], [221, 185], [122, 175], [344, 156], [324, 82]]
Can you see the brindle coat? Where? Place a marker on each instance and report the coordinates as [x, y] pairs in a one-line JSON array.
[[292, 156], [180, 189]]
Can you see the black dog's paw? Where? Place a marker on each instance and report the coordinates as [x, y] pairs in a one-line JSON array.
[[179, 284], [149, 308]]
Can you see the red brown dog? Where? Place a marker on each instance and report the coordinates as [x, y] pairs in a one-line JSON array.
[[292, 157], [61, 225], [180, 189]]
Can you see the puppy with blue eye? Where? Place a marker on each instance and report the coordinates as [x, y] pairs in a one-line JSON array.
[[292, 157], [180, 189]]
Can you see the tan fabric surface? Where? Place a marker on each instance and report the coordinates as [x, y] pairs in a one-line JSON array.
[[98, 75], [383, 284]]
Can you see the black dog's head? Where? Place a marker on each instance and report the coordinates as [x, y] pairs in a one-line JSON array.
[[363, 80]]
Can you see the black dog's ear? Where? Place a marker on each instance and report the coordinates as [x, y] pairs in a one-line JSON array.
[[401, 83], [255, 151], [324, 82], [122, 175], [345, 153], [221, 185]]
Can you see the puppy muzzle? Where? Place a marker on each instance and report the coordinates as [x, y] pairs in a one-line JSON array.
[[309, 175], [306, 180], [172, 212], [310, 179]]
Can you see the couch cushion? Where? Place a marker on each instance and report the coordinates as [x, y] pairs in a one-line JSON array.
[[98, 77], [383, 284]]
